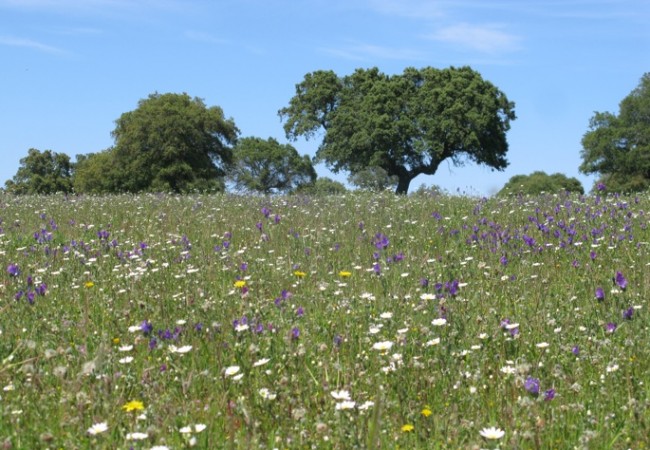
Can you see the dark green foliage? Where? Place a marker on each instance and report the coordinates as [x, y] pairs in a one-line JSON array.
[[44, 172], [267, 167], [538, 182], [617, 147], [96, 173], [322, 187], [172, 142], [404, 124]]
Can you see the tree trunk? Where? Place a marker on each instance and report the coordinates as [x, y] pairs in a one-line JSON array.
[[403, 182]]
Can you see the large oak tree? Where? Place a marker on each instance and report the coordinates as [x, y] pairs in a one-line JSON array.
[[617, 147], [267, 167], [172, 142], [405, 124], [40, 172]]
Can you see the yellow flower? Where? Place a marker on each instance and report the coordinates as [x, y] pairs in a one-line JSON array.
[[116, 340], [240, 283], [345, 274], [133, 405], [426, 412], [89, 284], [299, 273], [407, 428]]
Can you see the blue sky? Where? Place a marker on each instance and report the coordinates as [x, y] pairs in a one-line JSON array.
[[71, 67]]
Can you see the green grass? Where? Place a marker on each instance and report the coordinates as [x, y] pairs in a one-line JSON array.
[[77, 355]]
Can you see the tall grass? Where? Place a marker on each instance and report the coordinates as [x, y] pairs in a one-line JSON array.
[[359, 321]]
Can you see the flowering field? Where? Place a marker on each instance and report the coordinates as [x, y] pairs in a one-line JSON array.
[[363, 321]]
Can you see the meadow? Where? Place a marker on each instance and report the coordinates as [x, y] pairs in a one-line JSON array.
[[356, 321]]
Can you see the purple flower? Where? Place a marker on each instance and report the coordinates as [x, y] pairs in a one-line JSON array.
[[549, 395], [600, 294], [13, 270], [601, 186], [146, 327], [575, 350], [152, 343], [338, 340], [243, 267], [424, 282], [592, 255], [380, 241], [266, 211], [503, 260], [377, 268], [620, 280], [295, 333], [628, 313], [532, 385], [610, 327], [300, 311], [41, 289]]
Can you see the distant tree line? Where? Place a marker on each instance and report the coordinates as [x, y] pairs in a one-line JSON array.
[[383, 130]]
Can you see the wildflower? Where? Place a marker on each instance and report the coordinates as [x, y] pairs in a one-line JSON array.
[[439, 322], [600, 294], [89, 284], [426, 412], [232, 370], [345, 274], [628, 313], [261, 362], [240, 284], [97, 428], [13, 270], [193, 429], [133, 405], [382, 346], [620, 280], [575, 350], [340, 395], [508, 370], [532, 385], [610, 327], [492, 433], [366, 405], [136, 436], [407, 428], [433, 342], [266, 394], [549, 395], [299, 273], [126, 360], [346, 404], [181, 350], [542, 345]]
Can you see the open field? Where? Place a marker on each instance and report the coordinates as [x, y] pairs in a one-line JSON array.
[[361, 321]]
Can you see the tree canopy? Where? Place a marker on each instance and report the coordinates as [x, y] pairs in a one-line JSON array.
[[405, 124], [538, 182], [267, 167], [617, 147], [44, 172], [172, 142]]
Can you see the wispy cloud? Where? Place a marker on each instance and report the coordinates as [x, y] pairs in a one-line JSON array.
[[11, 41], [369, 52], [490, 39]]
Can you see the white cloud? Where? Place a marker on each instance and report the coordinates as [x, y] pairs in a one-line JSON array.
[[483, 38], [28, 43]]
